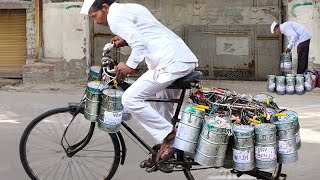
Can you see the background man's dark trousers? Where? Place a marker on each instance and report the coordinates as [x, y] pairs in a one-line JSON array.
[[303, 55]]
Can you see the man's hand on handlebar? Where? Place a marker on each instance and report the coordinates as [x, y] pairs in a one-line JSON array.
[[122, 70], [118, 42]]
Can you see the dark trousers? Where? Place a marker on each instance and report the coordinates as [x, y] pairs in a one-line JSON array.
[[303, 55]]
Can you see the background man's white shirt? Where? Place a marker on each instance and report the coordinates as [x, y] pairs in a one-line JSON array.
[[296, 33]]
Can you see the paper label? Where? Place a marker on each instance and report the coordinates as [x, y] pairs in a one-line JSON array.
[[280, 88], [242, 156], [307, 85], [286, 147], [299, 88], [290, 88], [287, 65], [265, 153], [112, 117], [272, 85]]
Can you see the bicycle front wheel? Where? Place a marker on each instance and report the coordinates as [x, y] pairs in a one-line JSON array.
[[43, 156]]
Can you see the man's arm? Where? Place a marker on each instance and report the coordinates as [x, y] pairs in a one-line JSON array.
[[292, 36], [126, 29]]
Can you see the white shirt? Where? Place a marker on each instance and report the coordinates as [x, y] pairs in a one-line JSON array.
[[296, 33], [148, 38]]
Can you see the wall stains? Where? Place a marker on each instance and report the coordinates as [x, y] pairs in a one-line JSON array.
[[228, 48], [72, 6], [297, 5], [237, 46]]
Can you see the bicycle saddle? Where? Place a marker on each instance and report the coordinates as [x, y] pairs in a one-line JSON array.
[[185, 81]]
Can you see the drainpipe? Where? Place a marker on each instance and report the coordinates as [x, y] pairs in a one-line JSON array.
[[90, 40], [282, 18], [39, 25], [41, 50]]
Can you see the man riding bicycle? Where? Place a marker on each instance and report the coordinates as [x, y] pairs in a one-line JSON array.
[[168, 58]]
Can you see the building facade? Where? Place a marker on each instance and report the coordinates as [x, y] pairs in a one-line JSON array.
[[52, 42]]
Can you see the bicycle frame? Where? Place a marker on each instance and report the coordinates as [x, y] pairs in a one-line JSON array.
[[174, 119], [76, 108]]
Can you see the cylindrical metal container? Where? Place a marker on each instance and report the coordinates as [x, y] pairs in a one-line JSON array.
[[93, 99], [287, 147], [111, 100], [290, 83], [263, 98], [189, 128], [111, 111], [299, 87], [228, 160], [265, 146], [291, 115], [286, 62], [271, 113], [308, 82], [110, 122], [243, 149], [213, 142], [126, 116], [271, 83], [280, 85], [94, 73]]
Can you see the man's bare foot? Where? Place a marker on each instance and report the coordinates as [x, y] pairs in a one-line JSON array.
[[166, 149]]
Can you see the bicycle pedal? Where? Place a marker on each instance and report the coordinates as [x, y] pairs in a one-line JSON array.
[[166, 168], [151, 169], [282, 176], [146, 163]]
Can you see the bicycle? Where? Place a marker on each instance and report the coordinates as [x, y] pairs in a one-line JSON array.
[[86, 156]]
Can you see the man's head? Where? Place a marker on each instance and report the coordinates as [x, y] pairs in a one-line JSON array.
[[97, 9], [275, 28]]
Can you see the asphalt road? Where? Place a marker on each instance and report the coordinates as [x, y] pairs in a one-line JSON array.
[[17, 109]]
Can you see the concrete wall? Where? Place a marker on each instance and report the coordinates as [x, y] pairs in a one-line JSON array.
[[65, 44], [65, 31], [179, 13], [307, 12]]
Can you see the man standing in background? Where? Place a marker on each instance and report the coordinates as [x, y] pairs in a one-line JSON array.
[[297, 35]]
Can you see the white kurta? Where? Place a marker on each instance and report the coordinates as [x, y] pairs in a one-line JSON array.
[[167, 57], [296, 33]]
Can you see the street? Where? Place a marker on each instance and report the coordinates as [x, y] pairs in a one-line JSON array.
[[19, 107]]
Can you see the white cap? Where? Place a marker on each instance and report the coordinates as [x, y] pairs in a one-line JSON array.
[[86, 6], [273, 25]]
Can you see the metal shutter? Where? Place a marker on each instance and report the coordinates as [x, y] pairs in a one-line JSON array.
[[13, 51]]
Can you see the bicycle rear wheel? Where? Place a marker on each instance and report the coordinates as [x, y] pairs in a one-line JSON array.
[[43, 156]]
